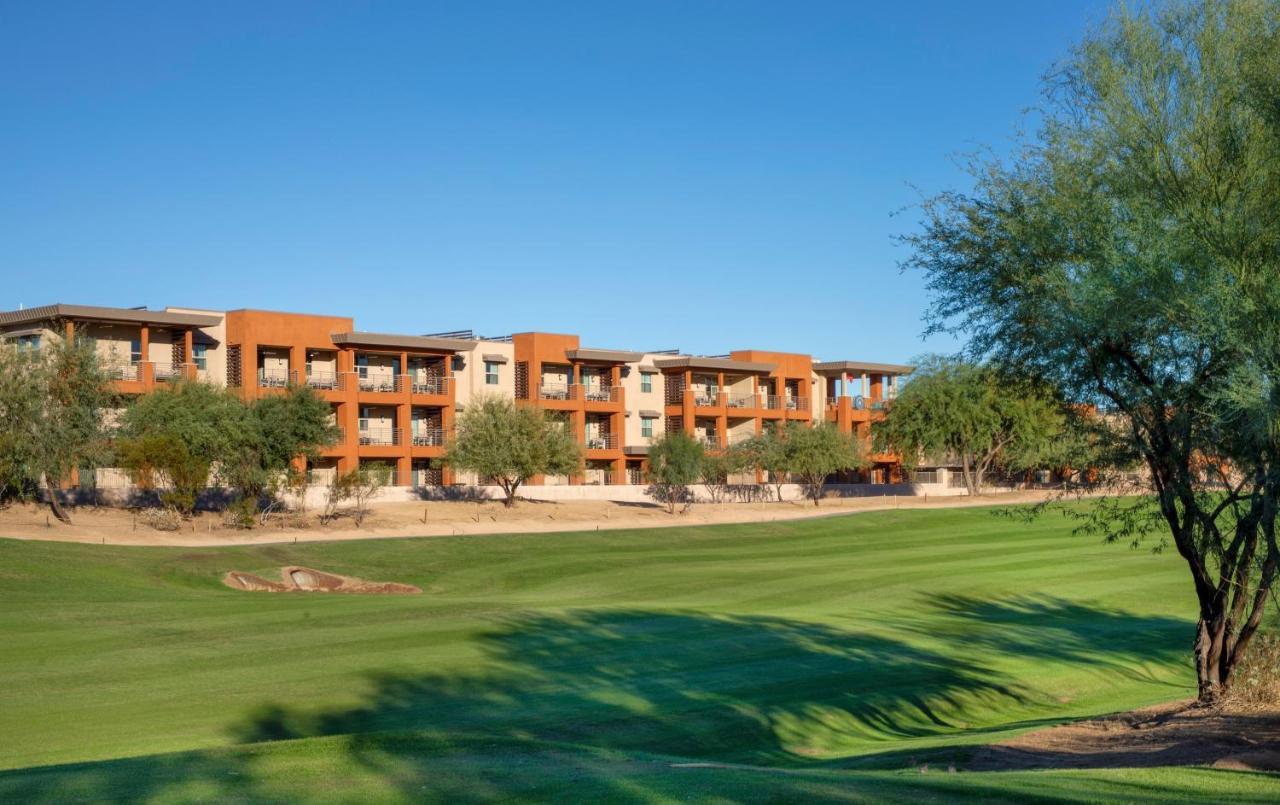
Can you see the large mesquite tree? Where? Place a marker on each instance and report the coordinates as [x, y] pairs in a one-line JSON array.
[[1130, 255]]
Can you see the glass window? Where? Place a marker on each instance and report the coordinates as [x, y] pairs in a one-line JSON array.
[[135, 351], [458, 363], [28, 343], [200, 356], [646, 381], [646, 427], [490, 373]]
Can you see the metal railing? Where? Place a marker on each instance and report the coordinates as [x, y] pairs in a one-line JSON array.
[[380, 436], [428, 384], [797, 403], [557, 391], [428, 437], [324, 381], [601, 393], [771, 402], [273, 378], [377, 381], [707, 397], [169, 372], [123, 371], [710, 440], [743, 401], [601, 441]]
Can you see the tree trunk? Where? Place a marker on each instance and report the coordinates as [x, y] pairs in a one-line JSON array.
[[1208, 673], [56, 506], [509, 489]]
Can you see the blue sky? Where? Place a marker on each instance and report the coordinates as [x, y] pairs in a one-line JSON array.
[[701, 175]]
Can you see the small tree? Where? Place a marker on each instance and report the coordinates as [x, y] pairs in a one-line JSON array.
[[817, 452], [974, 414], [52, 402], [717, 467], [675, 462], [767, 452], [360, 485], [509, 444], [157, 458]]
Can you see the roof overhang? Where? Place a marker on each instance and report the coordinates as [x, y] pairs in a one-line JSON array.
[[603, 355], [108, 314], [834, 368], [715, 364], [391, 341], [494, 357], [636, 450]]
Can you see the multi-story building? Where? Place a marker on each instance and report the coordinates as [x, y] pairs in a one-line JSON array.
[[395, 397]]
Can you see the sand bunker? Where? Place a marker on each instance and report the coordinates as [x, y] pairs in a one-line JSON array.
[[309, 580]]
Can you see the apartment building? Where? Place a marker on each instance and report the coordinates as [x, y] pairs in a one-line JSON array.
[[395, 397]]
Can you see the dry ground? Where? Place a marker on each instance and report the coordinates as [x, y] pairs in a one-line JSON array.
[[1172, 734], [113, 526]]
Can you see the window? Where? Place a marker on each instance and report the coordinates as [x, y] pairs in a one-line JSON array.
[[135, 351], [646, 381], [646, 427], [200, 356], [28, 343], [490, 373], [458, 363]]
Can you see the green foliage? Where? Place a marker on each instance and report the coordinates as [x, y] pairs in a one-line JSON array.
[[675, 462], [768, 451], [509, 444], [717, 466], [814, 453], [359, 486], [1130, 256], [161, 461], [51, 418], [248, 447], [973, 414]]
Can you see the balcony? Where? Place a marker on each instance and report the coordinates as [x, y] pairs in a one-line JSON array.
[[707, 397], [324, 381], [601, 393], [123, 371], [427, 384], [557, 391], [712, 440], [428, 437], [381, 382], [797, 403], [743, 401], [601, 441], [371, 436], [273, 378], [168, 373], [770, 402]]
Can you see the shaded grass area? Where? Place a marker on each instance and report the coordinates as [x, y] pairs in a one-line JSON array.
[[820, 659]]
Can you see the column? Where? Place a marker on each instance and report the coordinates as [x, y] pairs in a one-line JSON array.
[[188, 353], [145, 373]]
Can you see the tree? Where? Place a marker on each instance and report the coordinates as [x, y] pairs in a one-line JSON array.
[[815, 453], [188, 433], [509, 444], [675, 462], [52, 402], [716, 468], [767, 451], [1129, 254], [974, 414]]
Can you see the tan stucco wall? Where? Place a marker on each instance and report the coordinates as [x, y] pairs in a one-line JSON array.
[[638, 401]]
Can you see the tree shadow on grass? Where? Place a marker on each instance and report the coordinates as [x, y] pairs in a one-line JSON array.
[[602, 703]]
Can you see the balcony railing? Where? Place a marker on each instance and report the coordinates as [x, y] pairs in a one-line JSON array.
[[378, 381], [797, 403], [743, 401], [324, 381], [601, 441], [427, 384], [380, 436], [710, 440], [273, 378], [428, 437], [123, 371], [601, 393], [557, 391], [706, 397], [771, 402]]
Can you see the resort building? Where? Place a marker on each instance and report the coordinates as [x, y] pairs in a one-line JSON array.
[[395, 397]]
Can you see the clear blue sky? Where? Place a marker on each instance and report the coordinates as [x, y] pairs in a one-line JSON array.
[[701, 175]]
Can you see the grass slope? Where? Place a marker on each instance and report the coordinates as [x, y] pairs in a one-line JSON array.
[[813, 659]]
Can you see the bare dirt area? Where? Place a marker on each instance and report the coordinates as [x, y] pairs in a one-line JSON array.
[[1174, 734], [115, 526]]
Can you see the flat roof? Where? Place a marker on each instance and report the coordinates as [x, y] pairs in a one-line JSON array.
[[839, 367], [357, 338], [603, 355], [718, 364], [116, 314]]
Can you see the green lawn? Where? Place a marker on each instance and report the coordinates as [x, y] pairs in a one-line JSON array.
[[821, 659]]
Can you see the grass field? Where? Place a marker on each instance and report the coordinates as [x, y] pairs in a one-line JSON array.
[[819, 659]]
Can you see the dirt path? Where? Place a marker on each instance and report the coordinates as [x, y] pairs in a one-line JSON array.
[[1174, 734], [121, 527]]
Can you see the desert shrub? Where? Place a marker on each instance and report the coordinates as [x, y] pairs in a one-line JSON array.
[[163, 519], [1257, 678]]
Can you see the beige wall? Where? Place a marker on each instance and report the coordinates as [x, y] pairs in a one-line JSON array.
[[216, 352], [638, 400], [469, 383]]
